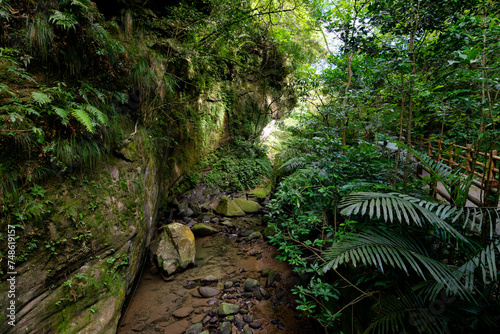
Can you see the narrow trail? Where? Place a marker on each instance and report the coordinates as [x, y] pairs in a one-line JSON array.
[[230, 268]]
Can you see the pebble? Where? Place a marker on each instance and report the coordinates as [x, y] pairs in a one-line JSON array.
[[208, 292], [255, 324]]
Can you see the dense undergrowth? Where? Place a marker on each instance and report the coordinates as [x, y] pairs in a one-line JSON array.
[[371, 256], [239, 166]]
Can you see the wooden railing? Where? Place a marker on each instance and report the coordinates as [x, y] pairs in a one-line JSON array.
[[484, 167]]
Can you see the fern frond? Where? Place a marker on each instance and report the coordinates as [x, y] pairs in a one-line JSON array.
[[65, 20], [41, 98], [79, 3], [379, 248], [99, 115], [84, 119], [62, 113], [5, 10], [292, 164]]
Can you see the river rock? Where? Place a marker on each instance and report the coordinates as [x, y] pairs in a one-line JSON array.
[[183, 312], [209, 279], [255, 324], [239, 323], [226, 309], [195, 329], [225, 328], [229, 208], [247, 206], [178, 327], [247, 330], [254, 235], [251, 285], [174, 248], [202, 230], [227, 223], [208, 292]]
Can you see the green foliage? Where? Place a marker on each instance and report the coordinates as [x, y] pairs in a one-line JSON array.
[[240, 166], [64, 20]]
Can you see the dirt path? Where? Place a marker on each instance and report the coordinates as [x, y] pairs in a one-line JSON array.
[[226, 261]]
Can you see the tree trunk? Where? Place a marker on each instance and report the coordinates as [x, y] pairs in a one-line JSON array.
[[414, 25], [346, 115]]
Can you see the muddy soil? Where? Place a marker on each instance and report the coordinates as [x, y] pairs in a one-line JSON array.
[[224, 261]]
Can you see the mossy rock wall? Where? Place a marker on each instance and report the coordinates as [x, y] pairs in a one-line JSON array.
[[102, 221]]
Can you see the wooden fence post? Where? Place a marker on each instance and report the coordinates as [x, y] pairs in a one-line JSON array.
[[468, 156], [489, 199], [439, 149]]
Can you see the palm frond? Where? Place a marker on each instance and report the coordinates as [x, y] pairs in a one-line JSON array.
[[379, 248], [405, 309], [486, 261], [406, 209]]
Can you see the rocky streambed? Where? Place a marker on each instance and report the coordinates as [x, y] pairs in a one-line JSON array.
[[235, 286]]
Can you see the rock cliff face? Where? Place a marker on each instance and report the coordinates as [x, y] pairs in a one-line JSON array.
[[101, 222]]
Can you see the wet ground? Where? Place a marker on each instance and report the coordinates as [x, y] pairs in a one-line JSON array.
[[224, 261]]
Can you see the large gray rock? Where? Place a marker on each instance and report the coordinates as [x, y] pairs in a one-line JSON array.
[[174, 248]]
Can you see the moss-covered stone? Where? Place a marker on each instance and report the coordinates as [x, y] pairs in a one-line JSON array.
[[254, 235], [203, 230], [226, 309], [229, 208], [174, 248], [248, 206], [260, 193]]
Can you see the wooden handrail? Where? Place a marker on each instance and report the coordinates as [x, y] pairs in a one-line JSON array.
[[486, 170]]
